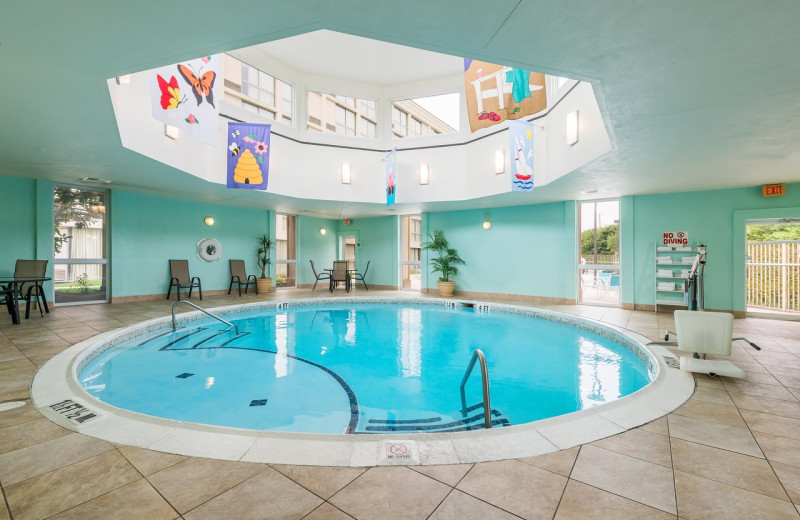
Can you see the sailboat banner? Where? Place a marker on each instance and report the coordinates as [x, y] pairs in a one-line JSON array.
[[391, 176], [521, 136], [248, 155], [185, 95]]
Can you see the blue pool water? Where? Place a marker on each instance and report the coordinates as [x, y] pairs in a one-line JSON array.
[[363, 368]]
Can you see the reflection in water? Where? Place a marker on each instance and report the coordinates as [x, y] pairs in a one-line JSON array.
[[410, 342], [282, 345], [598, 374]]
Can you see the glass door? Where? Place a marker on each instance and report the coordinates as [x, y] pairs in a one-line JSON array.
[[285, 251], [410, 252], [79, 246], [347, 248], [599, 269]]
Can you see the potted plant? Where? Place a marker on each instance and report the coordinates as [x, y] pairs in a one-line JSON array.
[[445, 262], [265, 244]]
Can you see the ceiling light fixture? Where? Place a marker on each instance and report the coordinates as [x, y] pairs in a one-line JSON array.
[[572, 127], [345, 173], [171, 131], [499, 161], [423, 174]]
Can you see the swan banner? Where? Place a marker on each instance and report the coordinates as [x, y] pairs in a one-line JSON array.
[[391, 176], [248, 155], [521, 136], [497, 93], [185, 95]]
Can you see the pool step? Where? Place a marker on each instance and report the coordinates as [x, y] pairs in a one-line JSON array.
[[438, 423], [189, 339]]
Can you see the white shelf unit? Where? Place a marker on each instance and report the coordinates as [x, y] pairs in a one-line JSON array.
[[672, 265]]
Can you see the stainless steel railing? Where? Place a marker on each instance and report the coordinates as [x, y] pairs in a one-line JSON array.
[[174, 325], [487, 406]]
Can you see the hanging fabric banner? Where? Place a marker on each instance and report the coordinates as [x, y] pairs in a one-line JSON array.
[[521, 141], [186, 95], [391, 176], [248, 155], [496, 93]]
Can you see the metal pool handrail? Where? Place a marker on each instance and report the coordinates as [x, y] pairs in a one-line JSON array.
[[175, 327], [487, 406]]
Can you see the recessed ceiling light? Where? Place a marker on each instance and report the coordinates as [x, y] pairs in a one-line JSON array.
[[95, 180]]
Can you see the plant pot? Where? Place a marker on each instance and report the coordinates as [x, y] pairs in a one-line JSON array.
[[446, 289], [264, 285]]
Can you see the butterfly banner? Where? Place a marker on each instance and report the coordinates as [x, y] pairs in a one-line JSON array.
[[521, 139], [248, 155], [186, 95], [391, 176], [497, 93]]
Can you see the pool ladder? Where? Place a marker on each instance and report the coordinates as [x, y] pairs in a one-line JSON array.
[[487, 406], [175, 326]]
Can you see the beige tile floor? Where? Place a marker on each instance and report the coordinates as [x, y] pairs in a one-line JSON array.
[[731, 452]]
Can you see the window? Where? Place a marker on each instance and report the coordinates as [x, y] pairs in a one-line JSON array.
[[426, 115], [343, 115], [598, 244], [257, 91], [285, 251], [410, 252]]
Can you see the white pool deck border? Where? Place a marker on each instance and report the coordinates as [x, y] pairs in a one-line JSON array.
[[56, 381]]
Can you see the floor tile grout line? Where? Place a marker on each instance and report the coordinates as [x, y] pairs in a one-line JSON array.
[[148, 480], [5, 500], [271, 466], [218, 494]]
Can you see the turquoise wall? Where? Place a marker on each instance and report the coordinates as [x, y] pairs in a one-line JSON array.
[[147, 231], [530, 250], [708, 216]]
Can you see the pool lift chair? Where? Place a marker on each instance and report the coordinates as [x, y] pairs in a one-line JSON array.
[[704, 334]]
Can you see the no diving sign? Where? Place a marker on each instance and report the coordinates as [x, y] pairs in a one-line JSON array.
[[398, 451], [676, 238]]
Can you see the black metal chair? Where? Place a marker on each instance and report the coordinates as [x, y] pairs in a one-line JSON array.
[[318, 276], [240, 277], [179, 271], [360, 276], [340, 274], [29, 291]]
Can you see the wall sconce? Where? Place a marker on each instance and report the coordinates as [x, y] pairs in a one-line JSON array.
[[345, 173], [322, 231], [209, 221], [487, 224], [572, 127], [423, 174], [499, 161], [171, 131], [124, 80]]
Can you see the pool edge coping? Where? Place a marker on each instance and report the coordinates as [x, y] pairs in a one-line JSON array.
[[56, 381]]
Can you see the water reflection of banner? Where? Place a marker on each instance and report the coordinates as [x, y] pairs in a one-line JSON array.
[[186, 95], [520, 135], [391, 176], [248, 155], [496, 93]]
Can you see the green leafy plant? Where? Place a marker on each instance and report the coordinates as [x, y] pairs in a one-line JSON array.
[[265, 245], [446, 257], [83, 282]]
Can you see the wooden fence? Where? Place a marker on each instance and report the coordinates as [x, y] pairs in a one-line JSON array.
[[773, 275]]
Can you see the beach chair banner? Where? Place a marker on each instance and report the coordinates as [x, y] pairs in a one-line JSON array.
[[497, 93], [186, 95], [521, 141], [391, 176], [248, 155]]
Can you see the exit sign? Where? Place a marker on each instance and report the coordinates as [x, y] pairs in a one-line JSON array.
[[773, 190]]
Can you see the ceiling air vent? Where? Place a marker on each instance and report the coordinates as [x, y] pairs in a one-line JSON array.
[[95, 180]]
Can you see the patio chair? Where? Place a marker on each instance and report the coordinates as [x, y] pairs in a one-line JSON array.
[[707, 333], [360, 276], [179, 273], [318, 276], [340, 274], [240, 277], [29, 291]]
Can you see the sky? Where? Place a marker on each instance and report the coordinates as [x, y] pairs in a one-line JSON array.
[[444, 106]]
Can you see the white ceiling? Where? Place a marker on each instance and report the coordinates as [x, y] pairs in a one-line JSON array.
[[697, 95]]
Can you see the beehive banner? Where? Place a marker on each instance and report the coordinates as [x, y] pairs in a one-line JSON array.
[[248, 155], [496, 93], [391, 176], [186, 95], [521, 142]]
